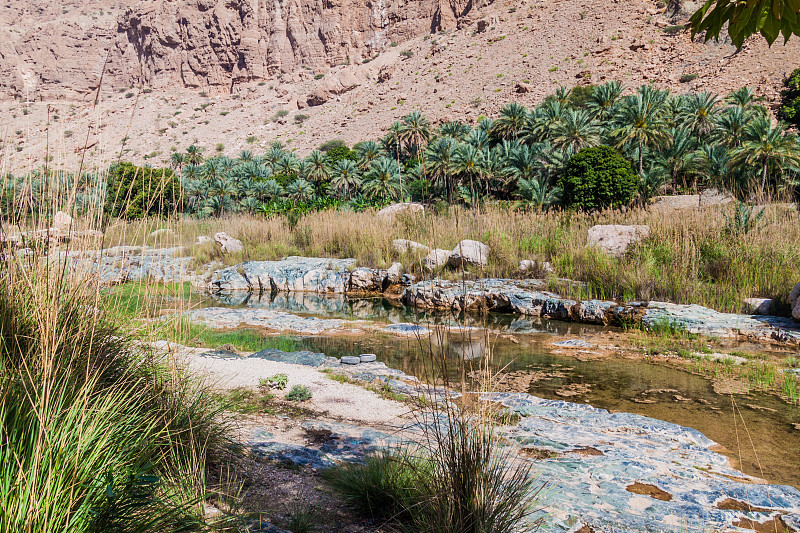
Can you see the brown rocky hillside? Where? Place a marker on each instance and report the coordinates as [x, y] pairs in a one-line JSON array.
[[242, 73]]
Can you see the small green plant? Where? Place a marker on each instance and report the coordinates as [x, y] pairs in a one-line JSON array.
[[553, 68], [299, 393], [279, 381], [219, 148], [299, 119], [302, 518], [319, 76], [686, 78], [743, 220], [792, 362], [408, 54], [251, 139], [129, 95], [203, 94]]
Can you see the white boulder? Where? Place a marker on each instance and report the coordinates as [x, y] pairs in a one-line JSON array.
[[614, 239], [435, 259], [390, 211], [163, 232], [394, 273], [405, 245], [228, 244], [62, 221], [469, 252], [794, 300], [202, 239]]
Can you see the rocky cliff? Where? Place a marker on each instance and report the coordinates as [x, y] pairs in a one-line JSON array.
[[60, 50]]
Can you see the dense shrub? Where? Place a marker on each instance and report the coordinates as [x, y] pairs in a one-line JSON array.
[[340, 153], [596, 178], [790, 99], [135, 192]]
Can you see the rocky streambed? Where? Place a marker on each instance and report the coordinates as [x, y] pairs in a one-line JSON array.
[[529, 298], [600, 470]]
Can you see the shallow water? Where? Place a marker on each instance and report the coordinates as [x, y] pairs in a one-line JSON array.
[[760, 439]]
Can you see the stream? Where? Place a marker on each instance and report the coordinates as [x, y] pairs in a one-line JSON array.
[[758, 432]]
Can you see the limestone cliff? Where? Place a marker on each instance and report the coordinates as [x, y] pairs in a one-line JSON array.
[[60, 50]]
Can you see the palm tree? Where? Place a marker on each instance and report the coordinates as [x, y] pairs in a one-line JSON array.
[[509, 124], [299, 190], [454, 130], [698, 112], [367, 153], [415, 131], [287, 165], [317, 168], [193, 155], [345, 178], [536, 192], [742, 98], [382, 180], [245, 155], [767, 146], [213, 169], [731, 125], [713, 164], [273, 155], [562, 96], [640, 121], [673, 158], [479, 138], [176, 160], [603, 101], [440, 154], [543, 120], [468, 160], [577, 130], [650, 183]]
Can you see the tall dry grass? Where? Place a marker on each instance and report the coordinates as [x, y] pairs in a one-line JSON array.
[[691, 256]]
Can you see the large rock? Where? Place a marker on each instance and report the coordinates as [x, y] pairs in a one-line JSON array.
[[615, 239], [391, 211], [469, 252], [794, 300], [436, 259], [62, 221], [228, 244], [301, 274], [759, 306], [404, 246]]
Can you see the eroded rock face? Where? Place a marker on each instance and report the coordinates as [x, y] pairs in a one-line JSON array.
[[794, 301], [614, 239]]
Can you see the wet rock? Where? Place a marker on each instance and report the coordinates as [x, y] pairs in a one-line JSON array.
[[365, 279], [436, 259], [303, 357], [615, 239], [574, 343], [229, 318], [404, 245], [228, 244], [407, 329], [301, 274], [759, 306], [469, 252], [389, 212], [794, 301]]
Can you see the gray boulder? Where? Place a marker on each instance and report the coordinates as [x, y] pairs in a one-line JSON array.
[[469, 252], [228, 244], [435, 259], [614, 239], [394, 273], [365, 279], [794, 300], [301, 274], [759, 306], [202, 239], [405, 245]]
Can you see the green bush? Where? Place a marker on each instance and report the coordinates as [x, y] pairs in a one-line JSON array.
[[330, 145], [136, 192], [299, 393], [597, 178], [340, 153], [789, 110]]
